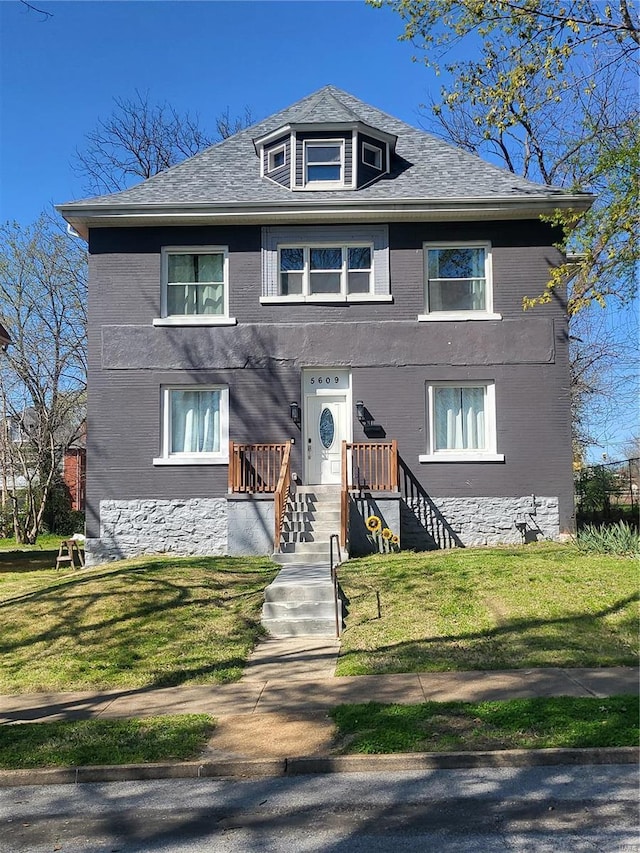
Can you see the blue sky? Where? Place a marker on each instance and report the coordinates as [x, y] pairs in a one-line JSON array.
[[59, 75]]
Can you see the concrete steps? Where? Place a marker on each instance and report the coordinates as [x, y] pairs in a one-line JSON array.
[[301, 600]]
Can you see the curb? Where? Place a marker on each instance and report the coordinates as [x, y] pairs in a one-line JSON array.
[[258, 768]]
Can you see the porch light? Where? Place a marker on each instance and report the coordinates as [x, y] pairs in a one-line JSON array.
[[294, 411], [360, 412]]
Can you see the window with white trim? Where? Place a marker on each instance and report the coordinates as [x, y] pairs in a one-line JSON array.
[[461, 419], [195, 283], [195, 425], [277, 158], [308, 271], [372, 155], [324, 161], [458, 281]]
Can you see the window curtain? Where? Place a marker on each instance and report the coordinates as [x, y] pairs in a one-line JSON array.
[[195, 421], [186, 292], [459, 418]]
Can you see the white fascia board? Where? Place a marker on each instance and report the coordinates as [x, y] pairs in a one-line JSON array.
[[378, 210]]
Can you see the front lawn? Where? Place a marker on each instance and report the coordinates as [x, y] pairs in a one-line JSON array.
[[84, 742], [149, 622], [540, 723], [493, 608]]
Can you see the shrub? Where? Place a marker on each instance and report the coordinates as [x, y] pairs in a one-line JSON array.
[[617, 538]]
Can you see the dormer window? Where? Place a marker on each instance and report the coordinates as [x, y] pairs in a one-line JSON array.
[[372, 155], [277, 158], [324, 161]]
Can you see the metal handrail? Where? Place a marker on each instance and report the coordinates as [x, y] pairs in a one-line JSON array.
[[334, 578]]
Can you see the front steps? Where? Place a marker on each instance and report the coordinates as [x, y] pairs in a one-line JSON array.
[[301, 600]]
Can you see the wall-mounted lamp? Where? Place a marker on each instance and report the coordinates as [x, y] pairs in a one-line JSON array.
[[294, 411], [370, 428]]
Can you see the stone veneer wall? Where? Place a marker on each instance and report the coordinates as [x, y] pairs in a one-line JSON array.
[[136, 527], [213, 526], [478, 521]]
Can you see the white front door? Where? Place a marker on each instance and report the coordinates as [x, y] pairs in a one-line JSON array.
[[327, 424]]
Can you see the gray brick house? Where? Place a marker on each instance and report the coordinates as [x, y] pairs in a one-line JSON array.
[[330, 300]]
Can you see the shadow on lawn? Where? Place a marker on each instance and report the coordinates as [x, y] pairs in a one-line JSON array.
[[123, 626], [27, 561], [520, 643]]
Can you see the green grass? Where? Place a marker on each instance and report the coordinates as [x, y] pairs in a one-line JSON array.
[[153, 621], [84, 742], [490, 608], [465, 726]]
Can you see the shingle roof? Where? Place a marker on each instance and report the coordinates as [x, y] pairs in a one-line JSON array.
[[424, 167]]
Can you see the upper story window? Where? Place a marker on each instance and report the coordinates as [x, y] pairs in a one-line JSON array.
[[458, 282], [195, 286], [372, 155], [195, 426], [324, 161], [325, 263], [277, 158], [322, 271]]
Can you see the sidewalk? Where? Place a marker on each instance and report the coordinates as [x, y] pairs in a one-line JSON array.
[[280, 706]]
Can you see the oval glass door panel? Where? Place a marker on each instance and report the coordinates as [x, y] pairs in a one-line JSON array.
[[327, 428]]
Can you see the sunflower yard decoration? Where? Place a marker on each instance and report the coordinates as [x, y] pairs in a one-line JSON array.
[[385, 539]]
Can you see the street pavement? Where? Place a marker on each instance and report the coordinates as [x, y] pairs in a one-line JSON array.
[[537, 810]]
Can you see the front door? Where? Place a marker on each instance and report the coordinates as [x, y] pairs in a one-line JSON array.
[[327, 425]]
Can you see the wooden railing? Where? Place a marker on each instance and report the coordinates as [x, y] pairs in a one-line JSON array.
[[255, 467], [281, 495], [366, 465], [262, 468]]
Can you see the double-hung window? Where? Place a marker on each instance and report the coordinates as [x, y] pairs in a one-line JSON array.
[[325, 271], [324, 162], [458, 281], [461, 419], [195, 425], [195, 286]]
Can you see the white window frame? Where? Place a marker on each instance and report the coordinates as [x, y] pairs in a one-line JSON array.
[[194, 319], [490, 452], [323, 143], [271, 167], [367, 146], [221, 457], [484, 314], [343, 296]]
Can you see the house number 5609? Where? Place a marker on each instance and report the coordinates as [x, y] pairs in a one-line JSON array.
[[323, 380]]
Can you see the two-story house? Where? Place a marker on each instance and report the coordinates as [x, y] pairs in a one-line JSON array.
[[330, 298]]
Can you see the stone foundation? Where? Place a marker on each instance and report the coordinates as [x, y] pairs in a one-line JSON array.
[[217, 526], [449, 522], [137, 527]]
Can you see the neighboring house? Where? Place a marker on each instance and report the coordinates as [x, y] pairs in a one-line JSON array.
[[328, 297], [74, 469]]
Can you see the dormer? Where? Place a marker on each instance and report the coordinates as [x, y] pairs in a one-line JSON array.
[[312, 156]]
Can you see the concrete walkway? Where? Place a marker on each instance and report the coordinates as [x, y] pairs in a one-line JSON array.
[[280, 706]]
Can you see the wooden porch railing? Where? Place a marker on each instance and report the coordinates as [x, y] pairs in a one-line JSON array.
[[262, 468], [281, 495], [255, 467], [366, 465]]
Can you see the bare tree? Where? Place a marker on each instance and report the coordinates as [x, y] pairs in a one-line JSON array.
[[140, 139], [43, 372]]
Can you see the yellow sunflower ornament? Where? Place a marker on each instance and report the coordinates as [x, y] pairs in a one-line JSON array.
[[373, 524]]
